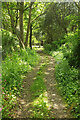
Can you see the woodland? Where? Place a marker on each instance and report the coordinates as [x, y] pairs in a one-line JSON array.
[[40, 60]]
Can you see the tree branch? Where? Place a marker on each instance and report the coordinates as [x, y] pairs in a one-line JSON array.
[[40, 14], [37, 17], [17, 15], [26, 8], [77, 5], [7, 4]]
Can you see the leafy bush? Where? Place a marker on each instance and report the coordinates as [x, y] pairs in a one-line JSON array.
[[9, 42], [14, 67], [55, 44], [47, 47], [74, 58], [71, 49], [67, 78]]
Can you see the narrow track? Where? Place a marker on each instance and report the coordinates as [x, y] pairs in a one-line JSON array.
[[57, 104]]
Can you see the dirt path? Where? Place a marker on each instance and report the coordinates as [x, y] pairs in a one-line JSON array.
[[57, 105]]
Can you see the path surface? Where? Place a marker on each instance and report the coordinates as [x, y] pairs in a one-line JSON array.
[[57, 104]]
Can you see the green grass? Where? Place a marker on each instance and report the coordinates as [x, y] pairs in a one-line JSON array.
[[40, 105], [38, 86]]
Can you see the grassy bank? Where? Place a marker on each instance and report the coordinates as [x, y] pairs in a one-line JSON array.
[[68, 82], [14, 68]]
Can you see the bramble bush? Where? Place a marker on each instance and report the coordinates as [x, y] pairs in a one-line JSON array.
[[14, 68]]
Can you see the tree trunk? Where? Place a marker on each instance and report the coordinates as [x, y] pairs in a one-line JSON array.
[[11, 18], [21, 23], [30, 43], [79, 20], [19, 32], [28, 26]]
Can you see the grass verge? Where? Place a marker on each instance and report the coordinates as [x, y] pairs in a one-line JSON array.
[[40, 107], [68, 82], [14, 69]]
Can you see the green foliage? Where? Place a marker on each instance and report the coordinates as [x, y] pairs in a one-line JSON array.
[[74, 58], [57, 22], [71, 49], [47, 47], [9, 42], [40, 107], [58, 55], [68, 82], [55, 45], [14, 67]]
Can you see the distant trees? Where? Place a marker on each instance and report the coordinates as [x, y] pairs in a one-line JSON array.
[[57, 21], [43, 21], [14, 12], [20, 16]]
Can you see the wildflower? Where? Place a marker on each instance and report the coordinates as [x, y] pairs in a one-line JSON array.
[[0, 74], [5, 80], [2, 87], [0, 80], [0, 109]]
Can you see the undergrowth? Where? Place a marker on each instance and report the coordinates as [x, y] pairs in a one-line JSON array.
[[68, 82], [14, 68]]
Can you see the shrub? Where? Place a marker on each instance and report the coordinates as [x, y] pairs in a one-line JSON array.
[[9, 42], [67, 75], [71, 49], [68, 82], [55, 44], [47, 47], [74, 58]]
